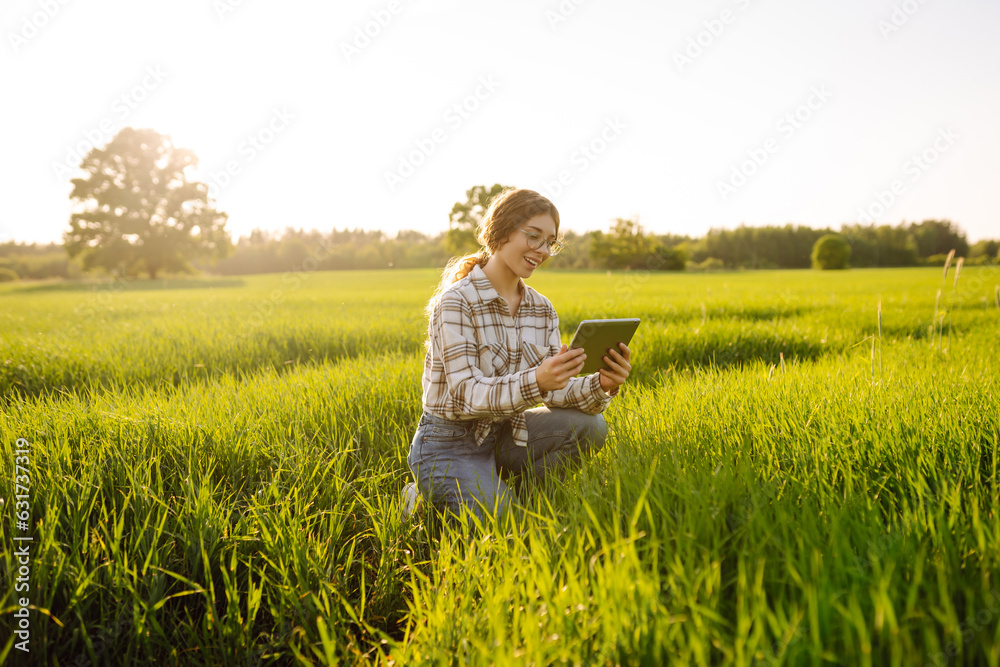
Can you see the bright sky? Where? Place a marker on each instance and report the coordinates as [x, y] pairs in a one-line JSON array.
[[687, 114]]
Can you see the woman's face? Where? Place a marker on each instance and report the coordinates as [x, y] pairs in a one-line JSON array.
[[518, 255]]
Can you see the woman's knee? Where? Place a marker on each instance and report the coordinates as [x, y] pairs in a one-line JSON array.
[[478, 494], [592, 430], [478, 503], [601, 431]]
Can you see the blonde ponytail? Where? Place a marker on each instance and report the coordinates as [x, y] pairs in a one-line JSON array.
[[463, 266], [505, 214], [456, 269]]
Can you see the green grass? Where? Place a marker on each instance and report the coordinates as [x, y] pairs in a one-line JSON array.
[[216, 467]]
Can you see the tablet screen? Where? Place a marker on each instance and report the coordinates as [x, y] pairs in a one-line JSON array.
[[596, 336]]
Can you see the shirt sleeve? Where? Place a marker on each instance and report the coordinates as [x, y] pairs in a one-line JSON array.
[[453, 339], [583, 393]]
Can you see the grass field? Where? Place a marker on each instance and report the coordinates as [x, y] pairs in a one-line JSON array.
[[802, 469]]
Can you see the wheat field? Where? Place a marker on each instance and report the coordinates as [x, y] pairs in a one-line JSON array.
[[801, 470]]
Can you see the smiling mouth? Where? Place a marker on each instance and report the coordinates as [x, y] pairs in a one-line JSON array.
[[532, 263]]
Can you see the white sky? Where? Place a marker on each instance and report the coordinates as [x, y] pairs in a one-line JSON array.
[[675, 133]]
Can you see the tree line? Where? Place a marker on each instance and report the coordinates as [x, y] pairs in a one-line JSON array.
[[790, 246], [624, 246], [137, 212]]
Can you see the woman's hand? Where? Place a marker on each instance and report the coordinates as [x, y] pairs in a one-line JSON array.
[[618, 363], [556, 371]]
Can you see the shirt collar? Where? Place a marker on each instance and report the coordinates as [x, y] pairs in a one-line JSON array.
[[486, 290]]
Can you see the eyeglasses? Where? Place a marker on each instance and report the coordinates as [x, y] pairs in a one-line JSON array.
[[536, 241]]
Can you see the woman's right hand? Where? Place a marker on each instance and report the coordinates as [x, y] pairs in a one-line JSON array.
[[556, 371]]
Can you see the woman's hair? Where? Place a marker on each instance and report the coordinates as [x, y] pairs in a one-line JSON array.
[[506, 213]]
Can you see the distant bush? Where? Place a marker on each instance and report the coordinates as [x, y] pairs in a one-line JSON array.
[[832, 251], [31, 261], [988, 250], [8, 275], [981, 260], [759, 264], [934, 260], [669, 259], [709, 264]]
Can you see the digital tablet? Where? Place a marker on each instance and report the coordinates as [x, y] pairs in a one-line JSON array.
[[596, 336]]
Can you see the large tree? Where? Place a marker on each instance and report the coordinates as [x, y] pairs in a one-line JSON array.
[[626, 246], [466, 216], [137, 210]]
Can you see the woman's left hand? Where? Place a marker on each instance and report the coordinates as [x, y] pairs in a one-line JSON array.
[[618, 368]]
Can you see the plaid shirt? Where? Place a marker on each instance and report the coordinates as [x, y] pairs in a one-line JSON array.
[[480, 362]]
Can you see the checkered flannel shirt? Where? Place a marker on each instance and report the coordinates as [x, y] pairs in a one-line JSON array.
[[480, 363]]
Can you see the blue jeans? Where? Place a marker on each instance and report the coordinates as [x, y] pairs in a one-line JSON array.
[[453, 472]]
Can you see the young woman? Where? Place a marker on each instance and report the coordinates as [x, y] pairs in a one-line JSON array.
[[493, 354]]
